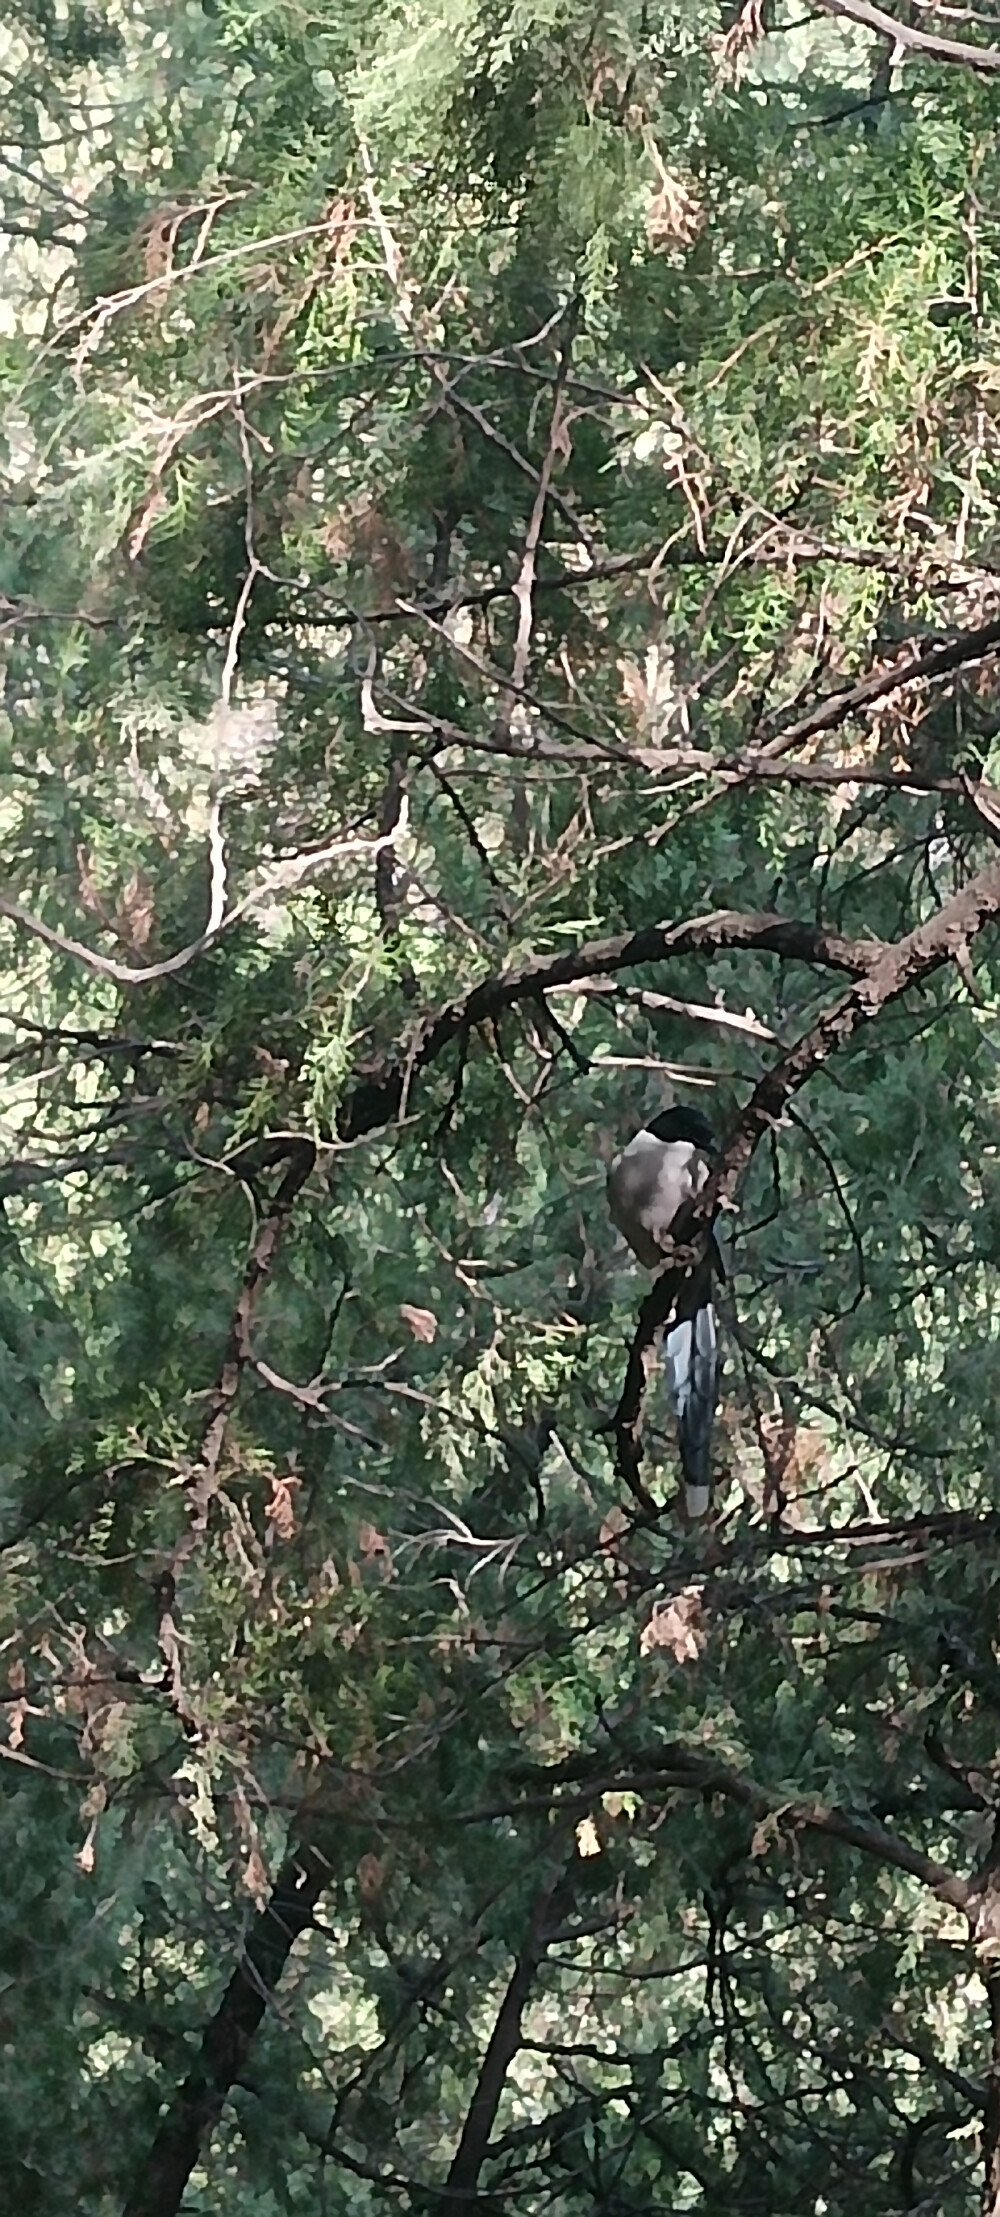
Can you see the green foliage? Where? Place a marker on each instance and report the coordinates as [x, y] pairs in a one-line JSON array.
[[334, 348]]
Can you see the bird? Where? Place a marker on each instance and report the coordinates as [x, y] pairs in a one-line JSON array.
[[650, 1184]]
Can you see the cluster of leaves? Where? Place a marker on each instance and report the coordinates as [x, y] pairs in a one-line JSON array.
[[449, 460]]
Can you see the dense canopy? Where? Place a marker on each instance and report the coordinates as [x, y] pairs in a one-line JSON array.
[[499, 617]]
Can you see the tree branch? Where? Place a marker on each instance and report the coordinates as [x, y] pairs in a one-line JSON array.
[[377, 1094], [890, 970], [503, 2045], [239, 1353], [676, 1768], [970, 646], [984, 58], [197, 2105]]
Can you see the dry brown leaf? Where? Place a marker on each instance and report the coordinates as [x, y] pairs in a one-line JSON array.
[[768, 1832], [89, 891], [91, 1808], [793, 1454], [139, 528], [740, 40], [635, 689], [764, 1835], [134, 913], [281, 1507], [95, 1800], [375, 1548], [674, 216], [158, 251], [615, 1523], [422, 1322], [587, 1837], [360, 532], [561, 440], [371, 1876], [255, 1879], [272, 1065], [610, 82], [678, 1625]]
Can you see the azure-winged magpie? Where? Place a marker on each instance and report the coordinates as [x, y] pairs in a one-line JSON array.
[[649, 1184]]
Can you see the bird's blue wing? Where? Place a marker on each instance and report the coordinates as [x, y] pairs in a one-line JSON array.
[[691, 1362]]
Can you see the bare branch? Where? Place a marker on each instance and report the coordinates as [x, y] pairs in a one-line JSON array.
[[985, 58], [503, 2045], [281, 878], [197, 2104], [239, 1354], [970, 646], [525, 582]]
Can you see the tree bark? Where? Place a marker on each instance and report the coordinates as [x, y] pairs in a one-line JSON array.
[[991, 2116], [198, 2103], [502, 2046]]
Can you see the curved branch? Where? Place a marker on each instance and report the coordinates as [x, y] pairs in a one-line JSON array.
[[285, 877], [678, 1769], [986, 58], [377, 1095], [891, 969]]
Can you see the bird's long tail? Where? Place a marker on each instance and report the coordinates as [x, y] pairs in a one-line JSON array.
[[690, 1354]]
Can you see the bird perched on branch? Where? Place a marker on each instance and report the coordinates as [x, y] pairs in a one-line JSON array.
[[650, 1186]]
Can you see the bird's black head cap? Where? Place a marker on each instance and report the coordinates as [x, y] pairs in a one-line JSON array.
[[684, 1123]]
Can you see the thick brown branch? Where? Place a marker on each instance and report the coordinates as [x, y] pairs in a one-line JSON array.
[[970, 646], [889, 972], [676, 1768], [991, 2120], [782, 546], [502, 2047], [377, 1095], [197, 2105], [761, 769]]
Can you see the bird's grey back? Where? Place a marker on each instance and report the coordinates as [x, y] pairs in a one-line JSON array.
[[647, 1184]]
